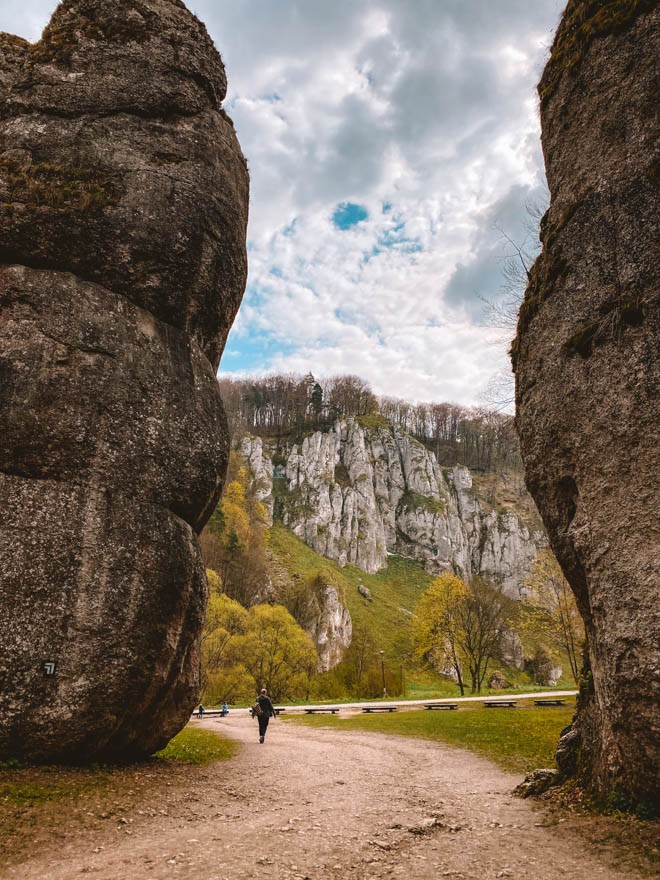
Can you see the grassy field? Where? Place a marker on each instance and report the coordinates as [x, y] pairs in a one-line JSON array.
[[395, 590], [519, 740]]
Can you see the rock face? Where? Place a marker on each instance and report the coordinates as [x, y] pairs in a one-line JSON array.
[[355, 494], [586, 359], [123, 209], [329, 623]]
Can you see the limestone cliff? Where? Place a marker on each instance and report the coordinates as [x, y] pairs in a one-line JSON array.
[[586, 359], [123, 209], [357, 493]]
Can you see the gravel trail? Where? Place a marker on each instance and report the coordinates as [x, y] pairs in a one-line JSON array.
[[320, 803]]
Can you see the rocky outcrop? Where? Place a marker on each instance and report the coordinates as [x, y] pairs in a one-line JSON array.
[[123, 207], [329, 624], [356, 494], [261, 470], [586, 360]]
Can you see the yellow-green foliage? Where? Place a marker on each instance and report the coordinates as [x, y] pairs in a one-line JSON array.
[[234, 540], [550, 614], [62, 187], [436, 621], [582, 23], [395, 590], [372, 421], [246, 649]]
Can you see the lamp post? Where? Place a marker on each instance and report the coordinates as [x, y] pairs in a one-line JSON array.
[[382, 671]]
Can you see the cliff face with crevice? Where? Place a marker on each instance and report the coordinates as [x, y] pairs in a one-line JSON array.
[[123, 211], [586, 358], [356, 494]]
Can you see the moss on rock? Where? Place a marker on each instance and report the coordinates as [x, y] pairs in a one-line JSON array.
[[41, 184], [582, 23]]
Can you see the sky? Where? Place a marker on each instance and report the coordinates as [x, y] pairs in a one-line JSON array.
[[390, 143]]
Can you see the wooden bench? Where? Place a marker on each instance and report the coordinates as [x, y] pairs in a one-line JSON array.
[[279, 709], [504, 704], [556, 702], [380, 708], [332, 709], [441, 705], [206, 712]]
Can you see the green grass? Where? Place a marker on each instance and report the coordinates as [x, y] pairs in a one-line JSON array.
[[23, 785], [35, 786], [193, 746], [395, 590], [519, 740]]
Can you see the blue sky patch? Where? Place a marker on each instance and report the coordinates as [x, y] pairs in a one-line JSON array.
[[347, 214]]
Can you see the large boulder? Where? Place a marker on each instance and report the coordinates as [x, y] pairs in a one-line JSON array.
[[123, 212], [586, 359]]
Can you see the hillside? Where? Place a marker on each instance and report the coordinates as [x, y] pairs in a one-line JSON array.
[[346, 526]]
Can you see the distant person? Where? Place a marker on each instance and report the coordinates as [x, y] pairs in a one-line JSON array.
[[267, 712], [200, 711], [224, 709]]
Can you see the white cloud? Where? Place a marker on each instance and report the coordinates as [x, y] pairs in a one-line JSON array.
[[426, 106]]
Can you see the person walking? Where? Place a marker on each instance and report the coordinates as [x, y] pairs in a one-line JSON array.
[[267, 712]]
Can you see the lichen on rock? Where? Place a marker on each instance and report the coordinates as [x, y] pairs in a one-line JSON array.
[[123, 211]]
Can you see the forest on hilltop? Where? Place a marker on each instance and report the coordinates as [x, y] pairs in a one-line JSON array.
[[291, 406]]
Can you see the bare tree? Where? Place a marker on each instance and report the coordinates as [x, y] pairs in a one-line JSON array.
[[484, 615]]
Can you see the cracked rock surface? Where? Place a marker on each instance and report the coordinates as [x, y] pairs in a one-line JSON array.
[[123, 212]]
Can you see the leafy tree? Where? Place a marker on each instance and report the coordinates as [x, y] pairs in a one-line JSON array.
[[551, 613], [246, 649], [483, 617], [234, 542], [226, 620], [276, 652], [437, 625], [461, 625]]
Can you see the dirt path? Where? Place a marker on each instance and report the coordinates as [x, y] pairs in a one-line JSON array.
[[320, 804]]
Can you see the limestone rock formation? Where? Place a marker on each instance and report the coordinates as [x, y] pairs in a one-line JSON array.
[[355, 494], [123, 210], [586, 357]]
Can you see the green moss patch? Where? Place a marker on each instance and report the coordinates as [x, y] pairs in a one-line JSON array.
[[612, 321], [42, 184], [411, 501], [11, 41], [582, 23], [373, 421], [70, 26]]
